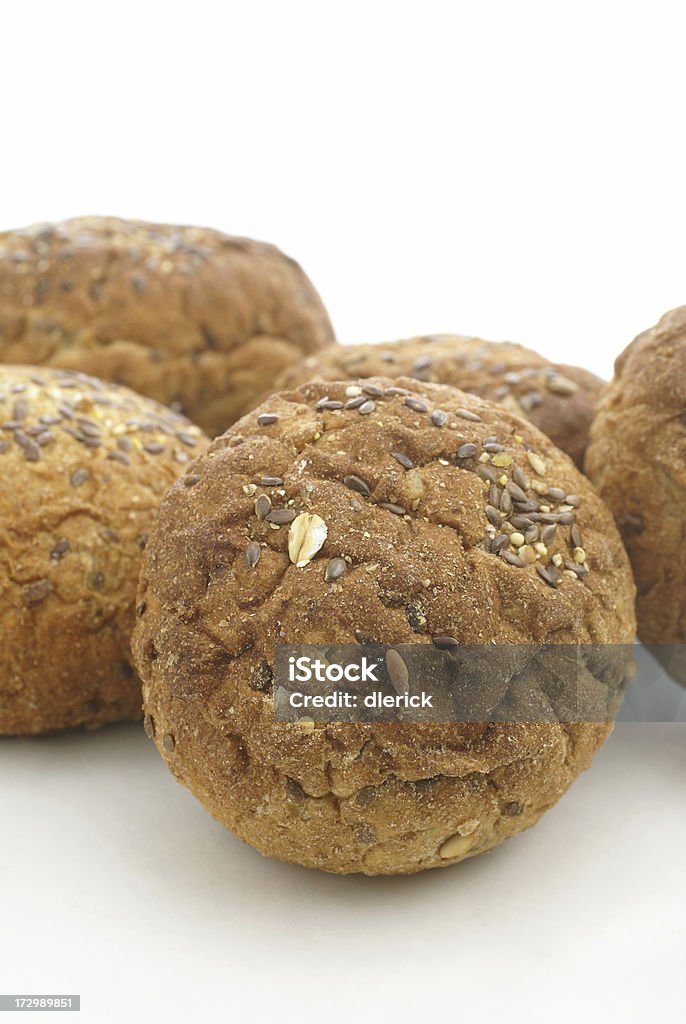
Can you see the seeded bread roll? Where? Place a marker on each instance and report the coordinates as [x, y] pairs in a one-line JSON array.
[[82, 468], [440, 514], [188, 316], [636, 460], [558, 399]]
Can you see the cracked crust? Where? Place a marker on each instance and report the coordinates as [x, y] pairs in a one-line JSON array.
[[83, 466], [636, 460], [556, 398], [373, 798], [195, 319]]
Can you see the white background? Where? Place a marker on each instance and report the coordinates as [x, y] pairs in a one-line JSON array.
[[514, 170]]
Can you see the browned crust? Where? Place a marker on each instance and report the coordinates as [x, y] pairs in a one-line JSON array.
[[557, 398], [191, 317], [83, 466], [636, 460], [369, 798]]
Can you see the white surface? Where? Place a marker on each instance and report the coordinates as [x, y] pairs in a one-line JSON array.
[[514, 170], [115, 883], [511, 170]]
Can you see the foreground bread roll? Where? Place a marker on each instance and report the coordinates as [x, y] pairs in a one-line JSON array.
[[83, 466], [556, 398], [188, 316], [636, 460], [405, 478]]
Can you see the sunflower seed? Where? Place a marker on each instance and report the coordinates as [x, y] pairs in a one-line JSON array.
[[36, 592], [367, 407], [493, 515], [335, 569], [466, 451], [356, 483], [79, 477], [397, 510], [372, 389], [281, 516], [577, 540], [465, 414], [404, 460], [516, 491], [500, 541], [520, 478], [548, 574], [252, 554], [439, 418], [486, 473], [263, 506], [548, 534], [416, 404], [355, 403], [397, 671], [265, 419], [556, 494], [444, 642], [271, 481], [510, 558], [574, 500]]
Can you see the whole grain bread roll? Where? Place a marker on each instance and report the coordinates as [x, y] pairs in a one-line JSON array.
[[422, 494], [557, 398], [636, 460], [83, 466], [191, 317]]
